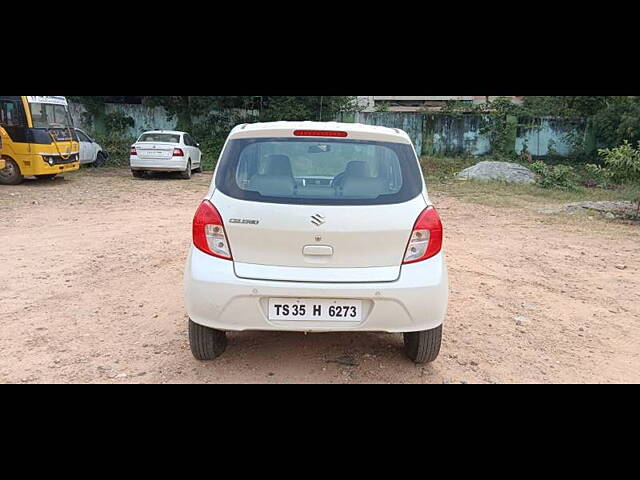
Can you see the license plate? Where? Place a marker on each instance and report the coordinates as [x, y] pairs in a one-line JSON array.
[[152, 153], [304, 309]]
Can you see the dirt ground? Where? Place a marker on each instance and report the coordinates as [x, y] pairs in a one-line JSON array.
[[91, 291]]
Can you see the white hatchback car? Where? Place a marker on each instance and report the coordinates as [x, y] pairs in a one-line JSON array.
[[317, 227], [90, 151], [165, 151]]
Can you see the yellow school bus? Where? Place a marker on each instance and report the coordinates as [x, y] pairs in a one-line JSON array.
[[38, 138]]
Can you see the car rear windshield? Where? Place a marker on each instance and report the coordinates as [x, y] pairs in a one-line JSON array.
[[319, 172], [160, 137]]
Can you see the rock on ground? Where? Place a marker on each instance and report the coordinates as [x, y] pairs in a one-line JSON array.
[[503, 171]]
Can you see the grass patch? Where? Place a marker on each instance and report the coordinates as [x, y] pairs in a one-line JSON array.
[[440, 176]]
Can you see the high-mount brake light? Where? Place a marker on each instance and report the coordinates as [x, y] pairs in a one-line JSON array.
[[208, 232], [319, 133], [426, 237]]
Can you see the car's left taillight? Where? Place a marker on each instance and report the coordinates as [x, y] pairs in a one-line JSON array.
[[133, 150], [208, 232], [426, 237]]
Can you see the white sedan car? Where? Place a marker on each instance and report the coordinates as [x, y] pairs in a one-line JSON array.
[[165, 151], [90, 151], [317, 227]]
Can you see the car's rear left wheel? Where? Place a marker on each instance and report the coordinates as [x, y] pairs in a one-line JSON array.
[[206, 343], [137, 173], [424, 346]]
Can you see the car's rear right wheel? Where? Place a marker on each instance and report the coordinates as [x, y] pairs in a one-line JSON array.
[[186, 175], [423, 347], [206, 343], [137, 173]]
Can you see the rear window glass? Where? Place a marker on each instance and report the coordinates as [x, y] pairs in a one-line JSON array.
[[160, 137], [322, 172]]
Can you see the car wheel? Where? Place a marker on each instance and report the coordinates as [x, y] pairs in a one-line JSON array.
[[186, 175], [423, 347], [10, 174], [138, 173], [100, 160], [48, 176], [206, 343]]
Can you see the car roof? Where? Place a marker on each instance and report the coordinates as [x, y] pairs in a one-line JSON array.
[[172, 132], [356, 131]]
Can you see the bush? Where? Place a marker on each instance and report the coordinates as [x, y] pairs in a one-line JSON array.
[[555, 176], [622, 163], [117, 147], [596, 176]]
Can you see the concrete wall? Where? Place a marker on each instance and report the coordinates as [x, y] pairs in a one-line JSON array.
[[436, 134], [432, 134], [144, 118]]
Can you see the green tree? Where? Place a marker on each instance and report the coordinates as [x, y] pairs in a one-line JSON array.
[[95, 107], [318, 108]]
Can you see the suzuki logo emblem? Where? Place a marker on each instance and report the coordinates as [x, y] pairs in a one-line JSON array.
[[317, 219]]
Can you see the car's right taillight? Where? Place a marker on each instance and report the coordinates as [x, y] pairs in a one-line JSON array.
[[133, 151], [208, 232], [426, 237], [177, 152]]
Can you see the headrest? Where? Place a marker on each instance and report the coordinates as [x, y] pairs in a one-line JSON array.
[[279, 165], [357, 169]]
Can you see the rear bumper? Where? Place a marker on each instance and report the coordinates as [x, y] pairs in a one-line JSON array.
[[215, 297], [169, 165]]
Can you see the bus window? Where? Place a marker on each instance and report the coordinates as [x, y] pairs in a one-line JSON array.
[[45, 115], [9, 114]]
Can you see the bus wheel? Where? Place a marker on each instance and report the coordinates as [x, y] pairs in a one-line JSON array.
[[10, 174], [48, 176]]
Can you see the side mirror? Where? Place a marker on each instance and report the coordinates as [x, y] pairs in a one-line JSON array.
[[198, 145]]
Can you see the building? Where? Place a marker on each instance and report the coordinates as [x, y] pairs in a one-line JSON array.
[[420, 104]]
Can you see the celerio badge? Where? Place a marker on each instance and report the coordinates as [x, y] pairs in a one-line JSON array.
[[244, 221]]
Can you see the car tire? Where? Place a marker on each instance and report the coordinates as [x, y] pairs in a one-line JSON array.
[[100, 160], [206, 343], [49, 176], [10, 174], [424, 346], [138, 173], [186, 175]]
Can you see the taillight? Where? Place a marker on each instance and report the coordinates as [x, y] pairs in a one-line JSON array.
[[133, 151], [208, 232], [177, 152], [426, 237], [319, 133]]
